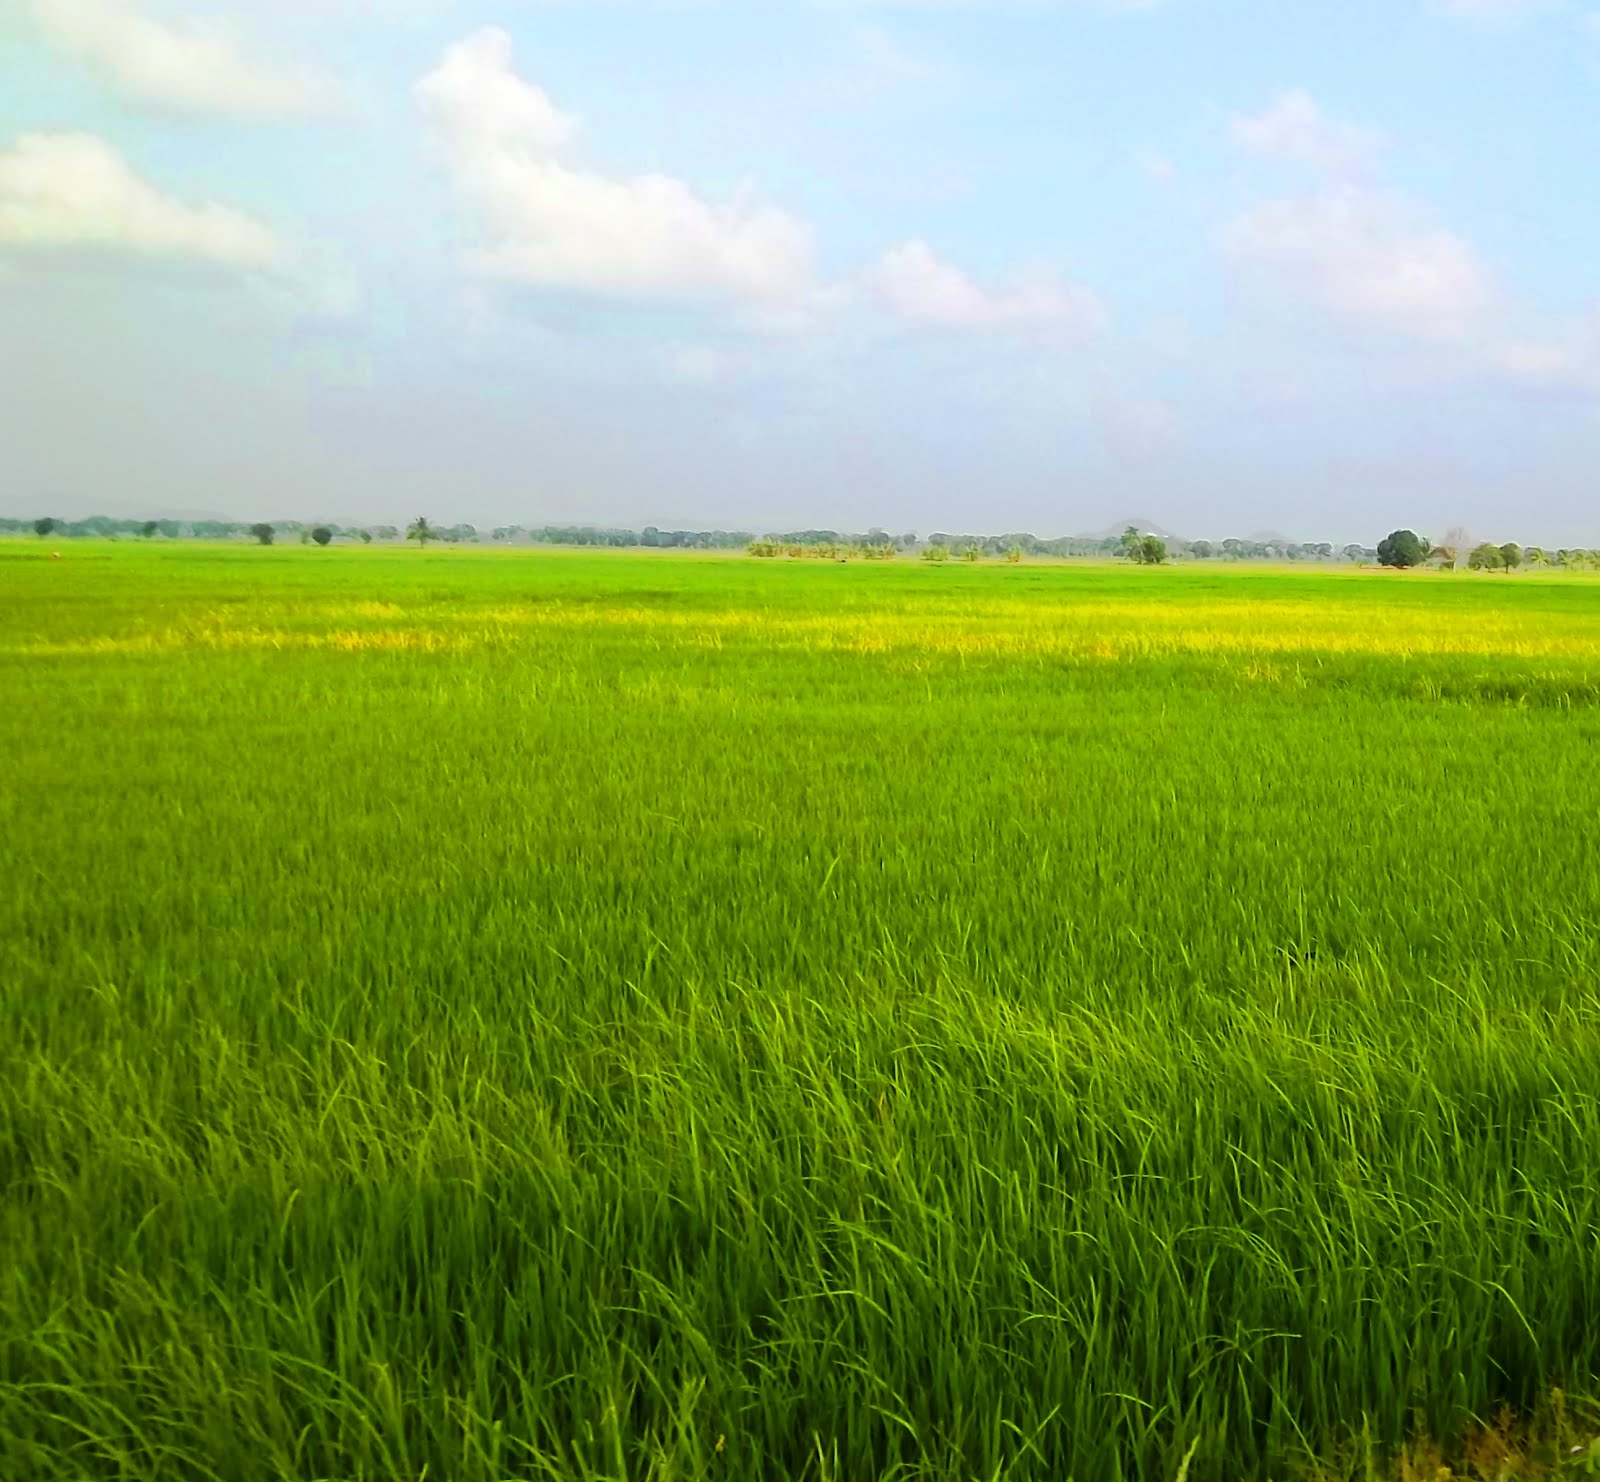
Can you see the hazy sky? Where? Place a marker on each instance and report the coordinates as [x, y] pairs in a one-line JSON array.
[[1001, 264]]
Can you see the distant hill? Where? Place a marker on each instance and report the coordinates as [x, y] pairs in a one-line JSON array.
[[1142, 523]]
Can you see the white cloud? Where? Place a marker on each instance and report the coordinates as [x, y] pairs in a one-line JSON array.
[[1157, 168], [1367, 255], [1563, 362], [1491, 9], [923, 289], [75, 190], [1542, 362], [544, 220], [178, 66], [1295, 129], [889, 60]]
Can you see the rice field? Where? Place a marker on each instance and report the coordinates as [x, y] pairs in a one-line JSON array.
[[479, 1015]]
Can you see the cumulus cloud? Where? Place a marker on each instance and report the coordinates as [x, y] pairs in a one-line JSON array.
[[920, 287], [181, 67], [1367, 255], [546, 220], [1296, 130], [75, 190]]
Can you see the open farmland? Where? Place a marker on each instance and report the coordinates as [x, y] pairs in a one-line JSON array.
[[479, 1015]]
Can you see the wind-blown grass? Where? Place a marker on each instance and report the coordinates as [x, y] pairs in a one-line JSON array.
[[486, 1016]]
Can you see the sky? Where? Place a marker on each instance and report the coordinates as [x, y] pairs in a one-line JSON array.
[[972, 265]]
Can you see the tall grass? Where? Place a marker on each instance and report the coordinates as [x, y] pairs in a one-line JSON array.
[[475, 1016]]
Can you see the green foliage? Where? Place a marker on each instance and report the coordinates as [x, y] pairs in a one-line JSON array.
[[852, 1022], [263, 533], [1511, 555], [1402, 549], [936, 553], [44, 526], [421, 531], [1486, 557], [322, 535], [1148, 550]]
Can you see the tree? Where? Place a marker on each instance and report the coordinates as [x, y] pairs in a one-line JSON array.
[[1511, 555], [1148, 550], [322, 535], [43, 527], [149, 528], [1129, 542], [1453, 545], [1401, 549], [263, 532], [421, 531], [1486, 557], [366, 537], [1203, 550]]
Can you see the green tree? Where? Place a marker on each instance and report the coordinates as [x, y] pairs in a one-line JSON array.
[[421, 531], [1511, 555], [1148, 550], [263, 532], [322, 535], [1203, 550], [149, 528], [1401, 549], [1486, 557], [43, 527]]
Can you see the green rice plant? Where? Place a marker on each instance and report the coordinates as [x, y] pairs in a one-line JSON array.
[[484, 1014]]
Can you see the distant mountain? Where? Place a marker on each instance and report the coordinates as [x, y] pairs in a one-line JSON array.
[[1142, 523]]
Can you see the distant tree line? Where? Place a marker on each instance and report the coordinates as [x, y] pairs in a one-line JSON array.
[[1140, 547], [650, 537], [264, 532], [1403, 549], [1400, 549]]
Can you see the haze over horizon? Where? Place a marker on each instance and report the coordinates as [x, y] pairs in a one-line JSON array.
[[1036, 265]]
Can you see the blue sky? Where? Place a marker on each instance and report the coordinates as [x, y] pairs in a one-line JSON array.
[[1229, 264]]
